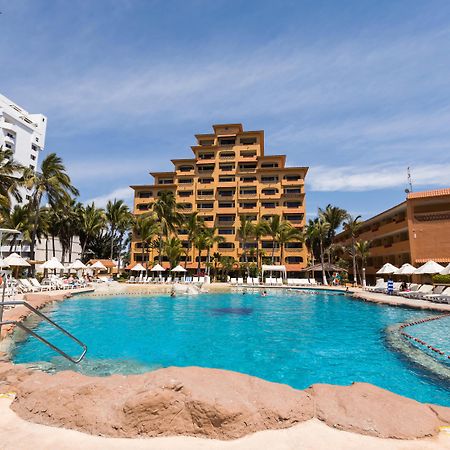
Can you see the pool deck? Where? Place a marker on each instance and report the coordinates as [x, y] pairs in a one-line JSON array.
[[313, 434]]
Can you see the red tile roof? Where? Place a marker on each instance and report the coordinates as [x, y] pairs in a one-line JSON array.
[[445, 259], [106, 262], [431, 193]]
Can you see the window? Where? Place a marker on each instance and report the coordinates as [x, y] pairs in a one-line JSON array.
[[165, 181], [145, 194], [269, 244], [226, 179], [228, 218], [294, 259], [247, 245], [28, 197], [32, 166], [33, 157], [292, 204], [143, 206], [206, 168], [226, 205], [33, 147], [227, 155], [269, 165], [226, 231], [184, 194], [297, 245], [292, 191], [226, 193], [205, 192], [245, 166], [205, 142], [185, 168], [292, 177], [226, 167], [293, 217], [182, 231], [248, 179], [248, 154], [224, 245], [269, 179], [248, 141], [248, 217], [247, 205], [227, 141], [206, 155], [205, 205], [269, 204], [185, 180], [10, 135], [207, 218], [206, 180], [8, 145], [247, 191], [270, 191], [185, 206]]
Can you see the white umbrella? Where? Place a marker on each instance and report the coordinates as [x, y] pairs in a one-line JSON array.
[[157, 268], [406, 269], [429, 268], [446, 271], [15, 260], [3, 264], [53, 263], [98, 265], [77, 265], [179, 269], [138, 268], [387, 269]]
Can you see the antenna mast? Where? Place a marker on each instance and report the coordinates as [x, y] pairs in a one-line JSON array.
[[409, 188]]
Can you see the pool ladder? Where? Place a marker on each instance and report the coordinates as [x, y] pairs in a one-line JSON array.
[[36, 335]]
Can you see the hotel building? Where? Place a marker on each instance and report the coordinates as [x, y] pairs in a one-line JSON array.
[[230, 177], [415, 231], [21, 132]]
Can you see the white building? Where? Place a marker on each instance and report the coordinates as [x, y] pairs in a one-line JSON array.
[[22, 132]]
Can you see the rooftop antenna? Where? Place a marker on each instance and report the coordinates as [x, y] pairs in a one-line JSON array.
[[409, 188]]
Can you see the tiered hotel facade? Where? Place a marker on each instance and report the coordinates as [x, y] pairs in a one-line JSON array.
[[230, 177], [21, 132]]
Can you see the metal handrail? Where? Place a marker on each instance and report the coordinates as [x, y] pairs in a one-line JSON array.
[[40, 338]]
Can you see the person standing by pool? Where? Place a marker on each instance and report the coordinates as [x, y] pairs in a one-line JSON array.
[[390, 286]]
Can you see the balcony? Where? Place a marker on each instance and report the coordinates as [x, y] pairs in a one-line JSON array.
[[391, 249], [8, 126], [298, 182]]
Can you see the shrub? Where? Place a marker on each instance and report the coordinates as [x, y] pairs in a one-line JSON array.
[[441, 279]]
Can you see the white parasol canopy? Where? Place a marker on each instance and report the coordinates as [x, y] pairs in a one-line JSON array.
[[446, 271], [430, 268], [53, 263], [179, 269], [77, 265], [138, 268], [3, 264], [98, 265], [158, 268], [387, 269], [406, 269], [15, 260]]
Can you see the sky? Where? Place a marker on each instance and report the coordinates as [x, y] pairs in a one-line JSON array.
[[358, 90]]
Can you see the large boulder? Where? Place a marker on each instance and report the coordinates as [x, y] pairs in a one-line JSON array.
[[367, 409], [173, 401]]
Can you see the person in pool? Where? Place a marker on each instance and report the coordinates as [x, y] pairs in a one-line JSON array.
[[172, 293], [264, 293]]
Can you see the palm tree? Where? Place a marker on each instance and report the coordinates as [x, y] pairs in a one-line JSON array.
[[173, 249], [117, 214], [217, 257], [272, 229], [193, 225], [258, 232], [18, 219], [321, 231], [201, 242], [287, 233], [351, 226], [145, 228], [51, 182], [165, 209], [92, 221], [363, 250], [335, 216], [245, 232], [211, 239], [11, 178]]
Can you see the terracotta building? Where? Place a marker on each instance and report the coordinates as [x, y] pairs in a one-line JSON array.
[[229, 176], [415, 231]]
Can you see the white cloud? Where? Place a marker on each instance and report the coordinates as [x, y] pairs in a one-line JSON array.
[[123, 193], [374, 177]]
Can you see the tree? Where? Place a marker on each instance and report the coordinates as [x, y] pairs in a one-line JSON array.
[[363, 250], [51, 182], [287, 233], [245, 232], [321, 232], [272, 229], [193, 224], [92, 221], [173, 249], [145, 228], [118, 218], [335, 216], [351, 226], [201, 242], [217, 257], [211, 239], [18, 219], [11, 178], [258, 232]]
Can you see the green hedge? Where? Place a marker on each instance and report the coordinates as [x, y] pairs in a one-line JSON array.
[[441, 279]]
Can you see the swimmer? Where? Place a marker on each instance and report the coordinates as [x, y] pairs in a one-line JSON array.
[[172, 293], [264, 293]]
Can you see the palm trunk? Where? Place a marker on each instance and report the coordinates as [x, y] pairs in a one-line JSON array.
[[53, 246], [324, 277], [208, 260], [273, 251], [113, 231], [355, 281], [199, 261]]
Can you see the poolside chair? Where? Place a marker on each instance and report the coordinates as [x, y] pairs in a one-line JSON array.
[[27, 286], [240, 280], [249, 280], [279, 281], [195, 279], [256, 281], [425, 289], [439, 292], [233, 280], [313, 281], [42, 287], [131, 279], [201, 279]]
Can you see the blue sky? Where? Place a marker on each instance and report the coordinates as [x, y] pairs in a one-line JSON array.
[[357, 90]]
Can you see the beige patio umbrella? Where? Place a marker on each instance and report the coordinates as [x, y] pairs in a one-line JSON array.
[[98, 265], [446, 271], [387, 269], [138, 268], [15, 260], [53, 264], [429, 268]]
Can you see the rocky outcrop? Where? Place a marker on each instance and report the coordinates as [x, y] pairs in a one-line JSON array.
[[366, 409], [216, 404]]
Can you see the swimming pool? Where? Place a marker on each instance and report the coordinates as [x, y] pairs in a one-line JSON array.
[[287, 337]]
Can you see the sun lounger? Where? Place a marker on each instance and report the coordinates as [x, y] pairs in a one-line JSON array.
[[425, 289], [313, 281], [131, 279], [233, 280], [279, 281], [443, 291], [256, 281], [240, 280], [42, 287], [27, 286]]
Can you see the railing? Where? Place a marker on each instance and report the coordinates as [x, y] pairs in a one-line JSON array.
[[37, 336]]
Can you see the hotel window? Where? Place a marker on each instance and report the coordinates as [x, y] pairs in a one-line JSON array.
[[248, 217], [294, 259], [182, 231], [185, 244], [269, 244], [226, 167], [269, 165], [298, 245], [224, 245], [292, 177], [293, 217], [205, 205], [10, 135], [33, 147], [270, 191], [206, 168], [226, 193], [32, 167], [206, 156], [290, 191], [269, 204], [229, 218], [226, 205], [145, 194], [207, 218], [248, 141], [206, 142], [227, 155], [248, 205], [248, 179], [248, 154], [292, 204], [247, 191], [227, 141], [247, 166], [269, 179], [165, 181], [8, 145], [247, 245], [143, 206], [226, 179], [226, 231], [185, 168], [202, 259], [206, 180], [185, 206], [33, 158], [184, 194], [205, 192]]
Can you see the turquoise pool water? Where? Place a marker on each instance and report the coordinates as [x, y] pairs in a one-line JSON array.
[[293, 338]]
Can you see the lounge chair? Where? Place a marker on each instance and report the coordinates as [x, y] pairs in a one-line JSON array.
[[42, 287], [256, 281], [27, 286], [233, 280], [240, 280], [425, 289], [195, 279], [279, 281], [313, 281], [131, 279], [440, 291], [249, 280]]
